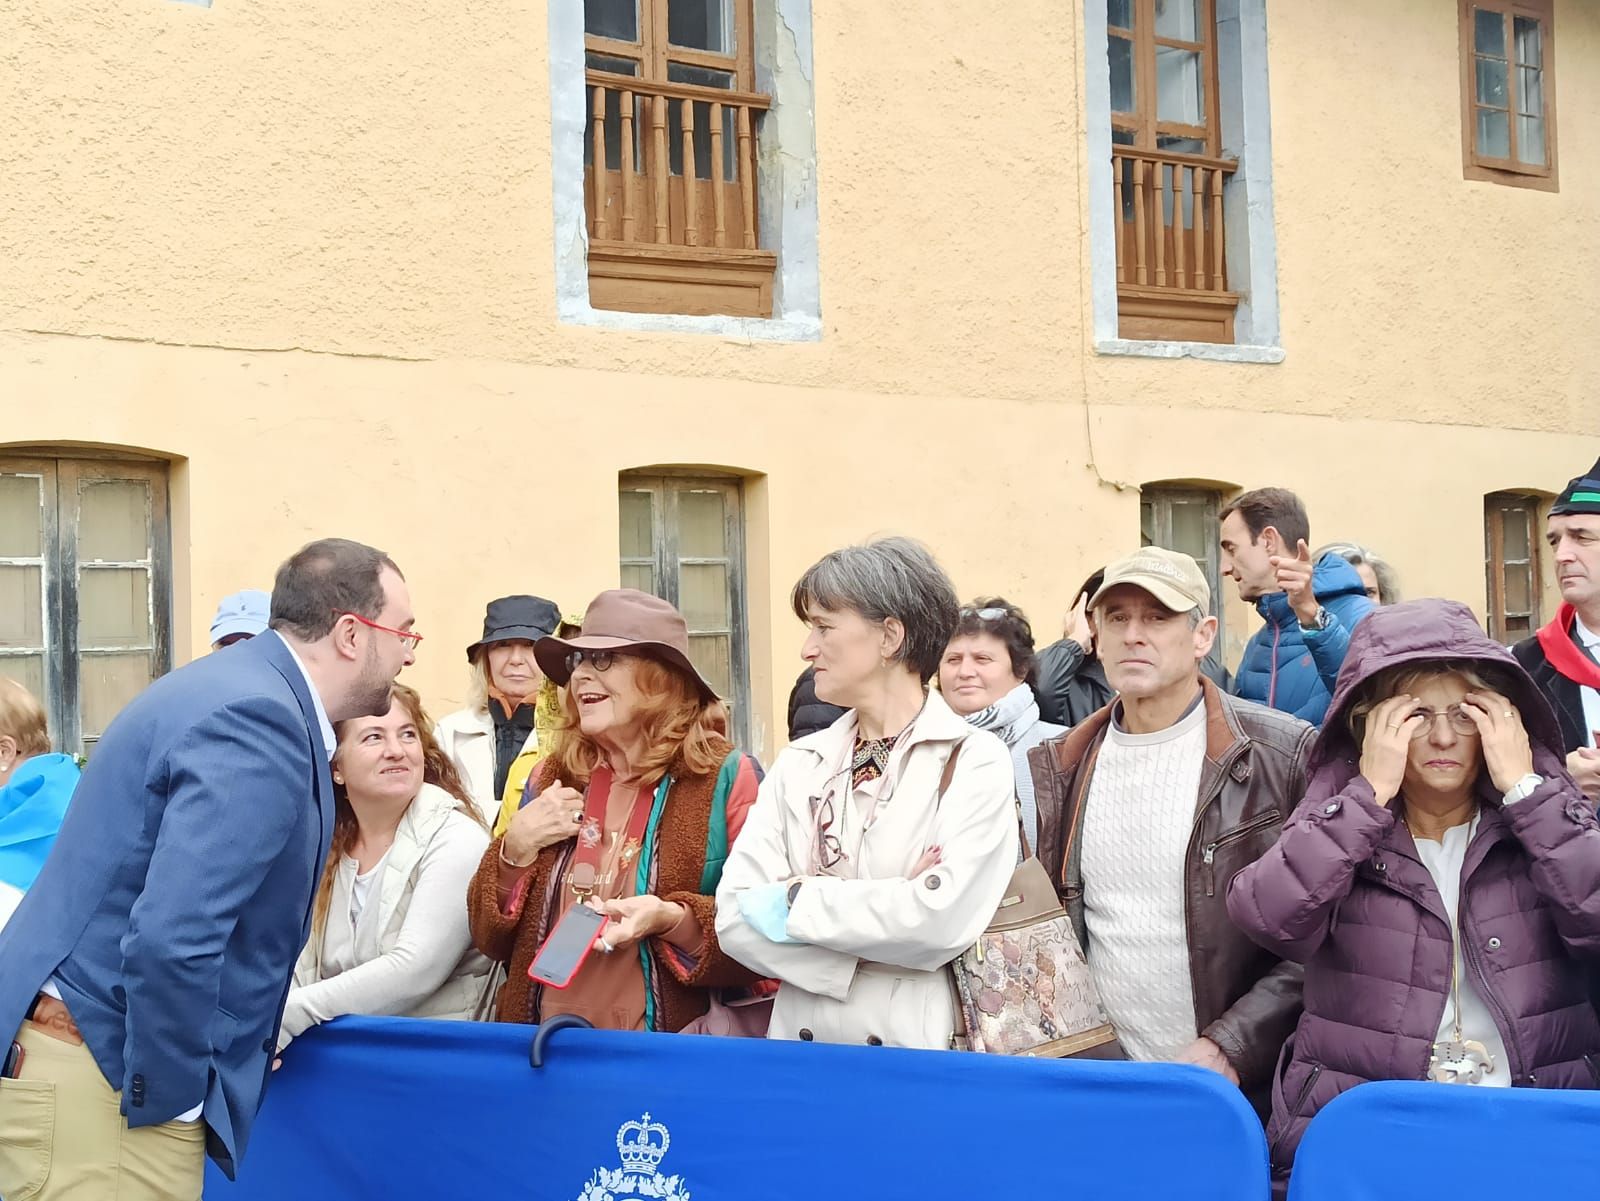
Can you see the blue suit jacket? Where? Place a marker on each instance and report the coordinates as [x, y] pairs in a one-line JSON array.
[[179, 891]]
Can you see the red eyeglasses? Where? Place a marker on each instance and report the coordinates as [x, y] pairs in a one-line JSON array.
[[407, 637]]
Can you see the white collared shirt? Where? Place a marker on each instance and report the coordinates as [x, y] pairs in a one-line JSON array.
[[1591, 697], [316, 698]]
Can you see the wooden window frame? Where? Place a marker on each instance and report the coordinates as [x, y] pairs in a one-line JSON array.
[[62, 570], [1509, 171], [675, 242], [1171, 268], [1146, 126], [1160, 496], [1495, 506], [665, 487]]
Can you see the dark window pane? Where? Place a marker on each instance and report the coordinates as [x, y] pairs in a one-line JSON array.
[[700, 76], [1530, 140], [1489, 33], [1530, 42], [1180, 87], [1180, 20], [1492, 83], [617, 66], [1119, 13], [617, 19], [701, 25], [1494, 134], [1123, 95]]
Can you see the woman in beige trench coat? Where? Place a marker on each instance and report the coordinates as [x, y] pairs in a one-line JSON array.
[[865, 867]]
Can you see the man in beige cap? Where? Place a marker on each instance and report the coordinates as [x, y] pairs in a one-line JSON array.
[[1148, 807]]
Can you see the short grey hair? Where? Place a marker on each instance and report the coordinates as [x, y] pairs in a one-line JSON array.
[[1355, 554], [890, 577]]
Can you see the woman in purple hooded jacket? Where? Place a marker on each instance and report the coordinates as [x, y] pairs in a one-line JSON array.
[[1440, 881]]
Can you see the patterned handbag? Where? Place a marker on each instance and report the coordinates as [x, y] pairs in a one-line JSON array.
[[1024, 987]]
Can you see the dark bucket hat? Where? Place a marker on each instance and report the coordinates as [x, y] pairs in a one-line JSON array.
[[511, 617], [625, 619]]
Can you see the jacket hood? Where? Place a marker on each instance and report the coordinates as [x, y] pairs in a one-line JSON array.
[[1331, 578], [1417, 632]]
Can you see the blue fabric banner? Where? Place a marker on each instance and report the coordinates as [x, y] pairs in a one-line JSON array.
[[1411, 1141], [401, 1109]]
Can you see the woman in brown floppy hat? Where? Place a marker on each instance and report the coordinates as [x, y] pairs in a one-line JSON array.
[[632, 812]]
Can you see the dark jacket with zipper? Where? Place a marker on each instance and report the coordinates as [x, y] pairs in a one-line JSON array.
[[1246, 999], [1565, 696], [1345, 893]]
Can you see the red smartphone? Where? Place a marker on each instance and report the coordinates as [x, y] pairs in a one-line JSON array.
[[567, 947]]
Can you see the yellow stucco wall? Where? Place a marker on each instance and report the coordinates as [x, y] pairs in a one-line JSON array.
[[306, 250]]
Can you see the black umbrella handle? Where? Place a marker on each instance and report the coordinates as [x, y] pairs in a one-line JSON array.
[[562, 1021]]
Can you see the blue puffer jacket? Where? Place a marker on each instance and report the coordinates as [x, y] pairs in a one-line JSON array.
[[1287, 668]]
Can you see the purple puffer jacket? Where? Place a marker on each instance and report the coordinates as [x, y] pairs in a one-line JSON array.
[[1344, 893]]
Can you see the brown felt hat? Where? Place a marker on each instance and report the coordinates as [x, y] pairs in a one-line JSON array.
[[625, 619]]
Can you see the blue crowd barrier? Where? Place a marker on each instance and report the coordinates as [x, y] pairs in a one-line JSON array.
[[401, 1109], [1410, 1141]]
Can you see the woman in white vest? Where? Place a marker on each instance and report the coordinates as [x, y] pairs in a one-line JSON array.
[[494, 740], [389, 930]]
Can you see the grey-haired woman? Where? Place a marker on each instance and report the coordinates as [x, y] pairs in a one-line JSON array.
[[1381, 580], [879, 848]]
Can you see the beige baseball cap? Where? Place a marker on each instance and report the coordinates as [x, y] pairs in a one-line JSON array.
[[1170, 576]]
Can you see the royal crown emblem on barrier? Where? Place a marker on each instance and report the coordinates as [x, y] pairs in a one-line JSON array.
[[641, 1146]]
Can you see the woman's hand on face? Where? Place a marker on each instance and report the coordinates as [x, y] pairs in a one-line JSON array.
[[637, 918], [1387, 745], [551, 817], [1507, 752]]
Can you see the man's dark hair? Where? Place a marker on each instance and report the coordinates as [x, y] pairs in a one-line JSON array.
[[1277, 507], [324, 579]]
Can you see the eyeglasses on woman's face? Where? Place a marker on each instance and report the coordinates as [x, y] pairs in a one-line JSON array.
[[601, 661], [1459, 720]]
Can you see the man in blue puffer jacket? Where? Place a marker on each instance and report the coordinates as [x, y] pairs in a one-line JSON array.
[[1293, 661]]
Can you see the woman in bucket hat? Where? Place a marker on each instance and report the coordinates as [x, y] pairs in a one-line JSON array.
[[631, 811], [494, 741]]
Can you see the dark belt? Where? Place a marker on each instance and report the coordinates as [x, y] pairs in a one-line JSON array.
[[33, 1008]]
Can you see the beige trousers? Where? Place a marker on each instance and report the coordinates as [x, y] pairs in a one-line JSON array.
[[63, 1137]]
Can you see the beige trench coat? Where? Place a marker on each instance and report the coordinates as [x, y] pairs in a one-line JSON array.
[[868, 963]]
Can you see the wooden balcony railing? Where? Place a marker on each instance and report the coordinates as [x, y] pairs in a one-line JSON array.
[[670, 189], [1172, 278]]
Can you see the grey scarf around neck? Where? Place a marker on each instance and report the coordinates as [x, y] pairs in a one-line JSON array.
[[1009, 717]]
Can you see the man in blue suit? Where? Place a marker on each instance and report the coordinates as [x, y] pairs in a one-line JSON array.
[[1293, 662], [145, 972]]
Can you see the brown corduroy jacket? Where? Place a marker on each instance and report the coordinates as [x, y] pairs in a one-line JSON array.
[[677, 861]]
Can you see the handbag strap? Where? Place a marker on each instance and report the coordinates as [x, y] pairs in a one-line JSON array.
[[948, 774]]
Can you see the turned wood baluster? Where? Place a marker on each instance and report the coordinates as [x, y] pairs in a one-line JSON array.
[[602, 177], [1180, 248], [1218, 279], [1140, 253], [747, 178], [1158, 198], [719, 202], [691, 182], [1121, 225], [660, 164], [626, 153]]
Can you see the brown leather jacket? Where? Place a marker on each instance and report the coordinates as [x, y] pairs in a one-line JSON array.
[[1246, 999]]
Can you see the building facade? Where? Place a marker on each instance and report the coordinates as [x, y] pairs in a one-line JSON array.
[[684, 293]]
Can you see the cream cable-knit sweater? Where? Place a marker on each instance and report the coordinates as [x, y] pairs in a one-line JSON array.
[[1136, 827]]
